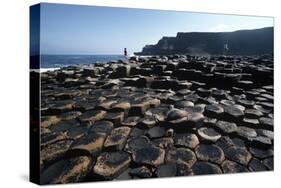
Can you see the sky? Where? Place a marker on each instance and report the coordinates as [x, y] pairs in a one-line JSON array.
[[77, 29]]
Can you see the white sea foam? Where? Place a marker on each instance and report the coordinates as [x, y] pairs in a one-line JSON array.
[[48, 69]]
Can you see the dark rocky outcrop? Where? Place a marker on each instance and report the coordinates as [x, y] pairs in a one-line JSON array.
[[160, 116], [242, 42]]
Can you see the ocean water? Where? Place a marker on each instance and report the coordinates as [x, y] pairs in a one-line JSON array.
[[58, 61]]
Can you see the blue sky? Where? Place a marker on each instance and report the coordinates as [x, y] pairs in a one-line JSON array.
[[75, 29]]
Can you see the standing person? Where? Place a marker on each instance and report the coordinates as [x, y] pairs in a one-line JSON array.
[[125, 52]]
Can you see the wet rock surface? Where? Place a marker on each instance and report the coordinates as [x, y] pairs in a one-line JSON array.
[[157, 116]]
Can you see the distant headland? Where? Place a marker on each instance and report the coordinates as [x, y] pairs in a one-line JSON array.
[[241, 42]]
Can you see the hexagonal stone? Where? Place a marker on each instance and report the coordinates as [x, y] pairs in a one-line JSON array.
[[149, 155], [183, 170], [262, 109], [204, 168], [106, 104], [268, 162], [136, 132], [225, 142], [209, 122], [153, 103], [121, 106], [208, 134], [138, 108], [124, 175], [180, 156], [131, 121], [261, 141], [213, 110], [160, 113], [256, 165], [48, 174], [253, 113], [184, 104], [195, 119], [55, 150], [211, 153], [77, 132], [163, 142], [265, 133], [74, 171], [167, 170], [177, 116], [115, 117], [226, 127], [186, 140], [148, 121], [233, 167], [102, 127], [251, 122], [183, 91], [117, 138], [134, 144], [232, 112], [90, 144], [156, 132], [111, 164], [203, 92], [261, 153], [238, 154], [52, 137], [141, 172], [92, 116], [63, 126], [238, 142], [267, 123], [198, 108], [246, 132], [227, 102], [174, 99], [247, 103], [59, 107], [46, 121], [85, 105]]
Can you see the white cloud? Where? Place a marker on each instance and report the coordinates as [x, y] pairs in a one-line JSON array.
[[219, 28]]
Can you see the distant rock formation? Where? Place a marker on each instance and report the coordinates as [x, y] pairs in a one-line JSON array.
[[242, 42]]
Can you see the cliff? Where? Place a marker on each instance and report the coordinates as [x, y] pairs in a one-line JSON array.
[[242, 42]]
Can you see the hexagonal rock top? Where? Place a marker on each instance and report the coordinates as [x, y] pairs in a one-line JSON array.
[[117, 138], [181, 155], [238, 154], [246, 132], [186, 140], [213, 110], [233, 167], [141, 172], [149, 155], [226, 127], [92, 116], [54, 151], [91, 143], [202, 168], [233, 112], [75, 170], [211, 153], [176, 115], [111, 164], [208, 134]]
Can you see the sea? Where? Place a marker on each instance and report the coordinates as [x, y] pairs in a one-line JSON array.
[[53, 62]]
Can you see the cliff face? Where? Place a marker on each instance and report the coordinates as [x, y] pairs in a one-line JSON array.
[[242, 42]]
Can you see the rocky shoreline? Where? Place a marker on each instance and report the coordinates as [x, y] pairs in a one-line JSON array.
[[159, 116]]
